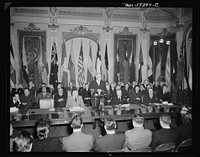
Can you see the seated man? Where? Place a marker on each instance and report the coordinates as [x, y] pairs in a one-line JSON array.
[[43, 95], [77, 141], [166, 134], [138, 137], [85, 93], [185, 128], [150, 97], [43, 143], [111, 141], [60, 100], [136, 95], [27, 101], [74, 100], [164, 95], [15, 100], [119, 98], [23, 143]]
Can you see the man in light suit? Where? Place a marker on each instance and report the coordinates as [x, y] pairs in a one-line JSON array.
[[77, 141], [74, 100], [138, 137], [112, 141]]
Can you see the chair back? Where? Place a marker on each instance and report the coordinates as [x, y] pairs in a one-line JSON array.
[[184, 146], [46, 103], [165, 147]]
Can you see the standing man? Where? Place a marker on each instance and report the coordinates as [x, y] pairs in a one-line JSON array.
[[97, 87]]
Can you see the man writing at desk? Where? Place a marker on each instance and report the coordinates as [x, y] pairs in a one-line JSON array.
[[74, 100]]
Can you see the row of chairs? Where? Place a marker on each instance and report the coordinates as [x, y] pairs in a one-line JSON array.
[[185, 146]]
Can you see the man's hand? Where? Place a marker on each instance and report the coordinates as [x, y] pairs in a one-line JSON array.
[[60, 100]]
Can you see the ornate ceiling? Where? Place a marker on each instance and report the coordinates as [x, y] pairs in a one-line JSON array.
[[149, 15]]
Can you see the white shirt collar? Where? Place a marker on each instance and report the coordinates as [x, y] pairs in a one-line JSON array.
[[77, 130], [110, 132]]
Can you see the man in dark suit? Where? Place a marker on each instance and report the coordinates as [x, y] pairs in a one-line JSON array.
[[138, 137], [164, 95], [44, 143], [150, 97], [119, 98], [15, 100], [43, 95], [60, 100], [78, 141], [136, 95], [166, 134], [74, 100], [112, 141], [98, 85]]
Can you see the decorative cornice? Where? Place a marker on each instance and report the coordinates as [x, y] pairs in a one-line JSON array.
[[107, 28], [109, 12], [125, 31], [81, 30], [53, 11], [126, 16], [32, 11], [31, 27], [144, 30], [76, 13]]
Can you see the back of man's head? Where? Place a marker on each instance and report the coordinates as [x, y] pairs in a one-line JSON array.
[[165, 119], [110, 124], [138, 121], [77, 122]]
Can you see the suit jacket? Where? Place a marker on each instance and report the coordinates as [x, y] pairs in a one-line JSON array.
[[116, 101], [147, 99], [109, 142], [41, 96], [164, 136], [60, 103], [137, 138], [72, 103], [16, 104], [78, 142], [94, 85], [134, 95], [50, 144], [165, 96]]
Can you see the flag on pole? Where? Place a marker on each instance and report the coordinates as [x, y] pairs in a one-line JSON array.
[[36, 74], [44, 62], [98, 61], [140, 65], [12, 67], [54, 66], [64, 74], [90, 67], [118, 74], [24, 57], [81, 77], [106, 62], [71, 66], [188, 60], [168, 69]]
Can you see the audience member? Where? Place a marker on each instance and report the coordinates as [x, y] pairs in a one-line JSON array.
[[77, 141], [44, 143], [11, 138], [164, 95], [150, 97], [111, 141], [69, 89], [27, 101], [138, 137], [23, 143], [74, 100], [185, 129], [43, 95], [157, 88], [60, 100], [136, 95], [15, 100], [166, 134], [85, 93], [32, 89]]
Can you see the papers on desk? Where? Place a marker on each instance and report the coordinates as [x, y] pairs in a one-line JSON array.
[[170, 104], [77, 109], [13, 109], [125, 105]]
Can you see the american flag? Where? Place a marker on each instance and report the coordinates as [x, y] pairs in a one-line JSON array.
[[168, 70], [81, 77]]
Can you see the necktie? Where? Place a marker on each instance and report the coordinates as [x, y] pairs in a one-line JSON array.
[[75, 99]]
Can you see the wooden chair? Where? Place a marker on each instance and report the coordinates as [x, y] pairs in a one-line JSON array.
[[165, 147], [184, 146]]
